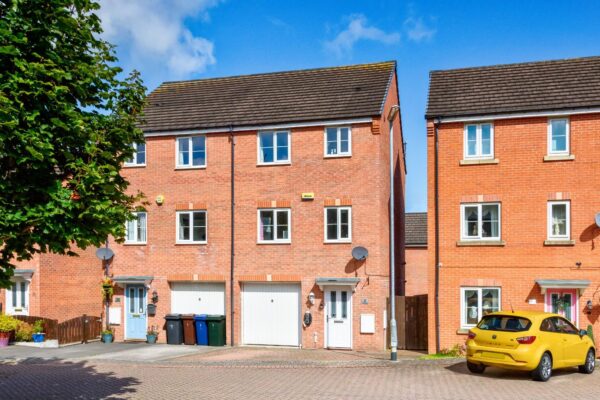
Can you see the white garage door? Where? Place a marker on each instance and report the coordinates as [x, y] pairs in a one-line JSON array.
[[197, 298], [271, 314]]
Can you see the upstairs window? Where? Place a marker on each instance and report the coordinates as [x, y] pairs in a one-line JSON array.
[[559, 220], [191, 152], [191, 227], [479, 141], [139, 155], [480, 221], [136, 229], [274, 147], [338, 224], [338, 142], [274, 225], [558, 136]]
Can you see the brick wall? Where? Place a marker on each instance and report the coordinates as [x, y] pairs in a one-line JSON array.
[[523, 183]]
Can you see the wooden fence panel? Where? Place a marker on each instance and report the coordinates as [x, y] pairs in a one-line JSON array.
[[50, 325], [411, 322]]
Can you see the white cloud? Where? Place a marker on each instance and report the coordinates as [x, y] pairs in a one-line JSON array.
[[151, 36], [417, 30], [359, 29]]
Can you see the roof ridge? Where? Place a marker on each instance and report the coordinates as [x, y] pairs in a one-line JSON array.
[[339, 67], [493, 66]]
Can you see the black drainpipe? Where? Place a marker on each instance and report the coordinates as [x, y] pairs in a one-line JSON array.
[[437, 239], [231, 282]]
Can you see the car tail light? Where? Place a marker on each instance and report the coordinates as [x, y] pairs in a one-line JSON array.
[[472, 335], [526, 339]]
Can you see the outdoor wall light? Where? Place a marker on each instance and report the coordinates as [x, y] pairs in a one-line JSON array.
[[160, 199], [154, 296], [311, 298], [589, 306]]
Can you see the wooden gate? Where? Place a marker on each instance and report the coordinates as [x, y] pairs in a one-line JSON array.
[[411, 320], [75, 330], [79, 329]]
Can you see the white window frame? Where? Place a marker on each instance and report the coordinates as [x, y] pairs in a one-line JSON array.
[[134, 163], [275, 225], [339, 210], [190, 151], [338, 142], [479, 289], [463, 236], [478, 142], [191, 239], [135, 230], [567, 223], [275, 161], [567, 151]]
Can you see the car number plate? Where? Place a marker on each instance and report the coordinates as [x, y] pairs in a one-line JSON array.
[[489, 354]]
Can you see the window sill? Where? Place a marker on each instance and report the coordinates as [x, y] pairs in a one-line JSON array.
[[491, 243], [273, 242], [134, 243], [134, 165], [559, 157], [189, 243], [194, 167], [462, 331], [337, 241], [337, 155], [479, 161], [559, 242], [273, 164]]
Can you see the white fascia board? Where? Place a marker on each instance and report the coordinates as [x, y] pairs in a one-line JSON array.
[[261, 127], [493, 117]]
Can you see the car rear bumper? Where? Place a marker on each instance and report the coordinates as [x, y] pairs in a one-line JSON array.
[[520, 358]]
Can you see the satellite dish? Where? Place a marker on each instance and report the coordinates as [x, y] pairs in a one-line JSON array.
[[598, 219], [104, 253], [360, 253]]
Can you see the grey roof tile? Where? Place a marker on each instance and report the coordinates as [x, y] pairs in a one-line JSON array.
[[415, 228]]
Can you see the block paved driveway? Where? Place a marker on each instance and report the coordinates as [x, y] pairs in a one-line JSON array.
[[256, 375]]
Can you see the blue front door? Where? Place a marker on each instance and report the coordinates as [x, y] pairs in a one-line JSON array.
[[135, 312]]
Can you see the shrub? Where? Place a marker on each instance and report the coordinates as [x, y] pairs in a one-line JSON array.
[[38, 326], [455, 351], [23, 332], [590, 332], [8, 323]]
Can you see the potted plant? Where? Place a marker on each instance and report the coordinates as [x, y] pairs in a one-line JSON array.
[[38, 334], [7, 325], [107, 335], [152, 334]]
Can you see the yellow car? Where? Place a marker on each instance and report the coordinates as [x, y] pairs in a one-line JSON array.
[[529, 341]]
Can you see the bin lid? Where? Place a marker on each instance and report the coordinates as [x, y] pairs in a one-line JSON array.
[[187, 316], [173, 316], [215, 317], [200, 317]]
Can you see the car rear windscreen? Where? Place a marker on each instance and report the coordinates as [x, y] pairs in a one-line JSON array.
[[508, 323]]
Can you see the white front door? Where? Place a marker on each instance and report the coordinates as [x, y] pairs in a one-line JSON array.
[[17, 298], [198, 298], [271, 314], [339, 318]]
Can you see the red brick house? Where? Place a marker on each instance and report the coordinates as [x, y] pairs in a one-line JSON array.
[[298, 163], [415, 249], [512, 193]]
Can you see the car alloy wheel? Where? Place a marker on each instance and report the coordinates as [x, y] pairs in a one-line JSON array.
[[546, 367], [543, 372], [590, 363]]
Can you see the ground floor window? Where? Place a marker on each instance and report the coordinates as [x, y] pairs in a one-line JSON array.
[[477, 302]]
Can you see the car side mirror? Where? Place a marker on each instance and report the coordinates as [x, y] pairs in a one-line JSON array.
[[582, 332]]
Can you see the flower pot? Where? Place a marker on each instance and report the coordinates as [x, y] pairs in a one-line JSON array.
[[107, 337], [151, 339], [38, 337], [4, 338]]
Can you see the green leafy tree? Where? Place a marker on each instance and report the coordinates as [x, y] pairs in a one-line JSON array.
[[68, 117]]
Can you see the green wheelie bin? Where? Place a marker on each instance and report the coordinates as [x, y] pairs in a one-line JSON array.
[[216, 330]]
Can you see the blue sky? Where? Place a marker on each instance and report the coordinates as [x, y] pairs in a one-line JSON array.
[[186, 39]]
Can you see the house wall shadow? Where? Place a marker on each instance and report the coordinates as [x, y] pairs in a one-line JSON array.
[[589, 234]]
